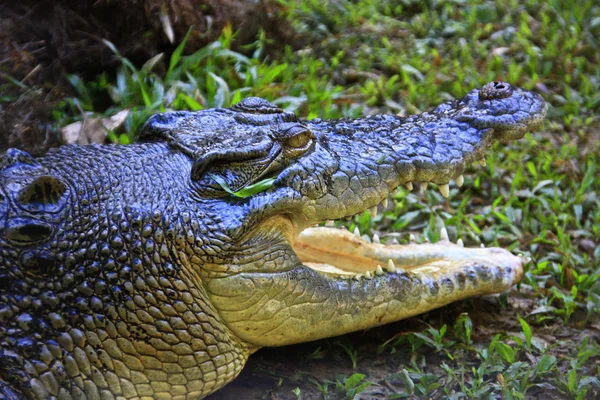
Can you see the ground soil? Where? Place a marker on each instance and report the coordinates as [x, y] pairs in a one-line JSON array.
[[41, 41]]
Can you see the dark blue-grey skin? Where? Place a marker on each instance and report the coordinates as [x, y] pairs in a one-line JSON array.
[[134, 271]]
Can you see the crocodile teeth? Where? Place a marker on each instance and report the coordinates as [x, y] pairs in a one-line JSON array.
[[460, 242], [356, 231], [482, 246], [376, 239], [460, 180], [368, 275], [409, 185], [379, 270], [423, 186], [373, 211], [384, 203], [444, 234], [412, 238], [482, 162], [393, 241], [358, 277], [444, 190], [390, 266], [329, 223]]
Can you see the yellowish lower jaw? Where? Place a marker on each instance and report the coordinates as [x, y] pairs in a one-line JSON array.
[[339, 253]]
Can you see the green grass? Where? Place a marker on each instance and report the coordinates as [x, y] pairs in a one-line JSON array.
[[538, 197]]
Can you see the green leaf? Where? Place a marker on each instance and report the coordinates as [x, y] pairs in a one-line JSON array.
[[572, 380], [223, 94], [409, 385], [353, 380], [246, 191], [463, 328], [176, 56], [111, 46], [506, 352], [545, 364], [526, 331], [124, 139]]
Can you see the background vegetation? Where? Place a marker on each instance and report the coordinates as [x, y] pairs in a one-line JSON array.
[[537, 197]]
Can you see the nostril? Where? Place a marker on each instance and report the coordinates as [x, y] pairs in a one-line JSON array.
[[26, 231], [495, 90]]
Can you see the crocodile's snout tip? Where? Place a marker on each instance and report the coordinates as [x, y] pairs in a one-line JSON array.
[[496, 90]]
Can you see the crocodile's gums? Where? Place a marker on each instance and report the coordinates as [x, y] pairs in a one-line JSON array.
[[153, 270]]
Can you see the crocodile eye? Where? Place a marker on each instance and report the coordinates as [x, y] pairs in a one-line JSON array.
[[297, 140]]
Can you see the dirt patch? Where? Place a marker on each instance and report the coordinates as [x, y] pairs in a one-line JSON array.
[[41, 41], [66, 35]]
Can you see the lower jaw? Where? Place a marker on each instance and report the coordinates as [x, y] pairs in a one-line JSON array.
[[340, 254]]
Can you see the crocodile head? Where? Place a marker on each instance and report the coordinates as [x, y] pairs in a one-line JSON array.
[[155, 269]]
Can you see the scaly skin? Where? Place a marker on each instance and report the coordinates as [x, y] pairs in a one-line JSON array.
[[132, 272]]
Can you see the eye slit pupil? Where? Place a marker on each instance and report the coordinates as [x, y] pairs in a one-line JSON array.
[[299, 140]]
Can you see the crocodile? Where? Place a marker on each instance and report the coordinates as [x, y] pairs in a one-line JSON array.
[[153, 270]]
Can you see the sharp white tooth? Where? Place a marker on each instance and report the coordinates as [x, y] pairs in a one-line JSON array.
[[412, 238], [409, 185], [379, 270], [356, 231], [424, 186], [358, 277], [460, 180], [376, 239], [368, 275], [390, 266], [373, 211], [393, 241], [482, 246], [520, 255], [444, 234], [384, 203], [444, 190], [329, 223], [460, 242], [482, 162]]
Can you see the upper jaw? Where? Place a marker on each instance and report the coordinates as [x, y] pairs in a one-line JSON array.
[[356, 164]]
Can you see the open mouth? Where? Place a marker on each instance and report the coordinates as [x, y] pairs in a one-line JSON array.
[[341, 254]]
